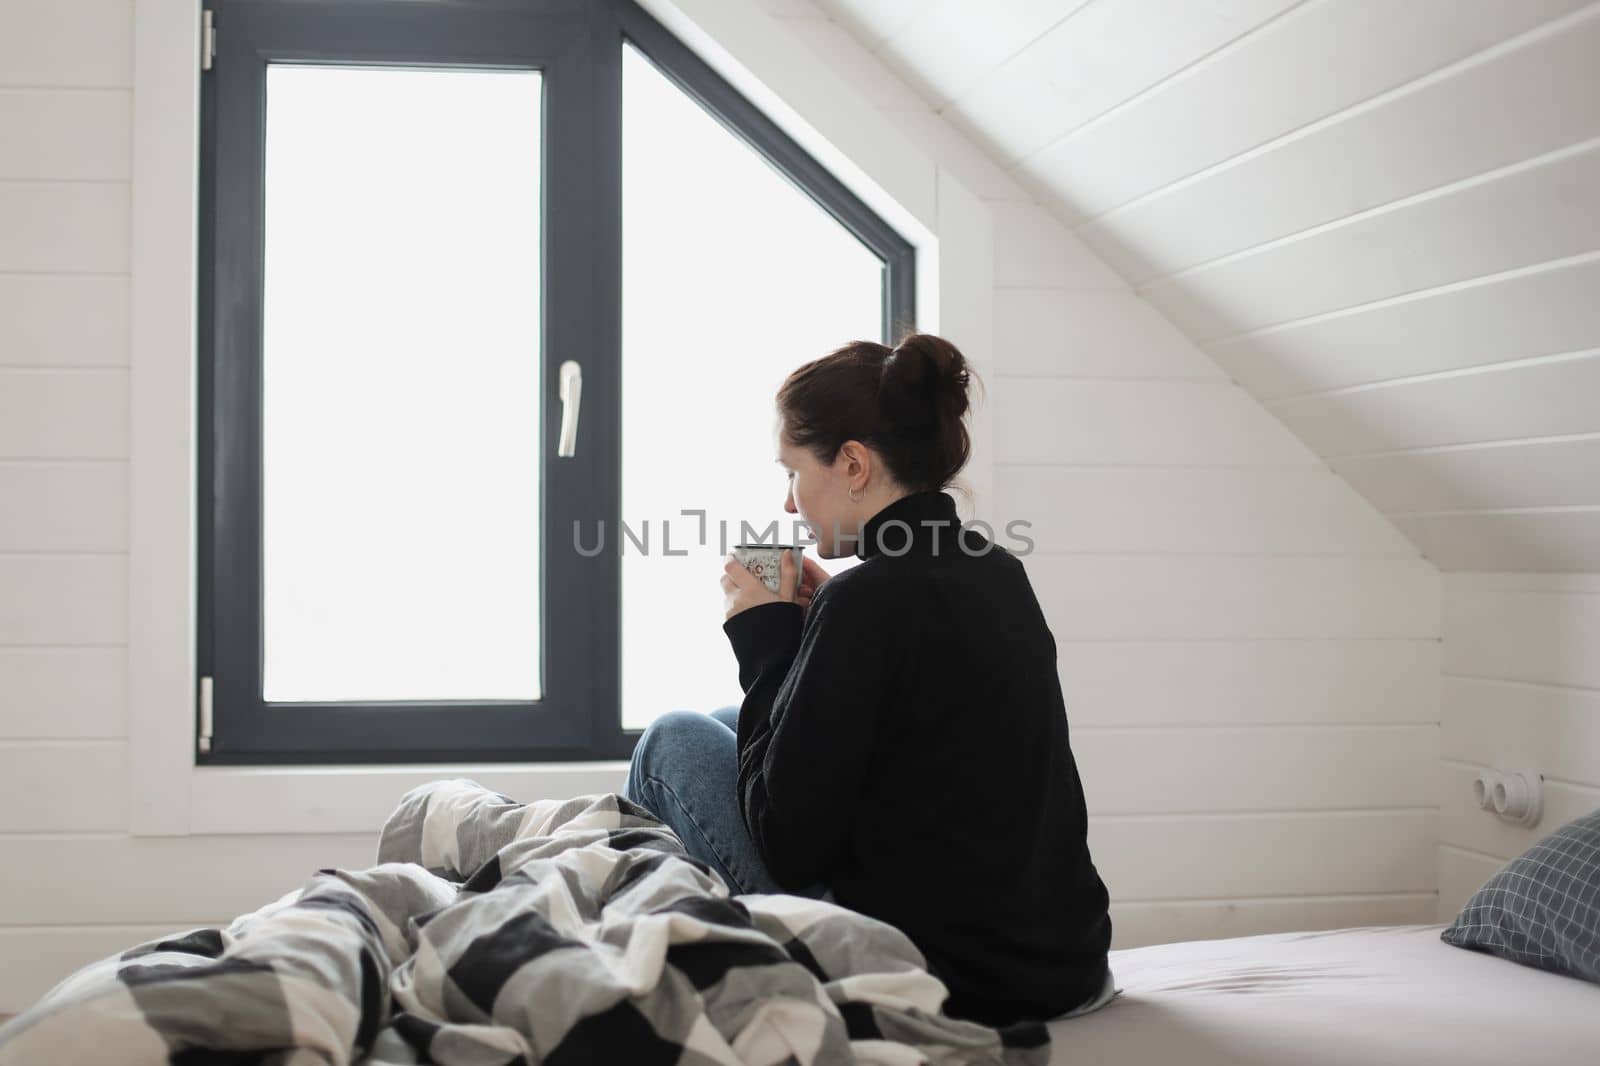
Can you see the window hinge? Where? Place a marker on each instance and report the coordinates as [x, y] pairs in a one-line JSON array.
[[204, 743], [208, 40]]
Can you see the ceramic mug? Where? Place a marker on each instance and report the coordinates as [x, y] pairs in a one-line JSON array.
[[763, 560]]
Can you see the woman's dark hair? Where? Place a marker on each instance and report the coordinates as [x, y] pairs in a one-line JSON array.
[[907, 403]]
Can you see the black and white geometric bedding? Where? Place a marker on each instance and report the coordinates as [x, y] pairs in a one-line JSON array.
[[490, 932]]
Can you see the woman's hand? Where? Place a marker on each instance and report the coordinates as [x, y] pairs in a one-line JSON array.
[[812, 575], [742, 590]]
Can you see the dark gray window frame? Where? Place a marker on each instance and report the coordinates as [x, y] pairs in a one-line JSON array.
[[578, 44]]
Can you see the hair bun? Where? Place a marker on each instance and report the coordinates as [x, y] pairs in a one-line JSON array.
[[908, 403], [924, 382]]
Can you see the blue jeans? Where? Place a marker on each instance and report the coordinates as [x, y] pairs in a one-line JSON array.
[[685, 772]]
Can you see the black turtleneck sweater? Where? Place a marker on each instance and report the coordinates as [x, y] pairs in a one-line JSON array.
[[904, 741]]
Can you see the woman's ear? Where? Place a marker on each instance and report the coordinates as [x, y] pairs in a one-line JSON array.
[[857, 458]]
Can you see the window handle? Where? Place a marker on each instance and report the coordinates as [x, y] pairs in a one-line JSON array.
[[571, 397]]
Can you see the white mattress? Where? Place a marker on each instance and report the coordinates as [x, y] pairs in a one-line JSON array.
[[1374, 996]]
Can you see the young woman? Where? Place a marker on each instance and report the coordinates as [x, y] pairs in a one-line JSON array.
[[902, 743]]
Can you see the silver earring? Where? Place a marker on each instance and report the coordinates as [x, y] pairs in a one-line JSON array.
[[853, 497]]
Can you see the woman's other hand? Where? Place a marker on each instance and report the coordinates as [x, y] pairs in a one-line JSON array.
[[742, 590], [812, 575]]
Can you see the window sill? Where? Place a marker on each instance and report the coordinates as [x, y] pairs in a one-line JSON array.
[[358, 799]]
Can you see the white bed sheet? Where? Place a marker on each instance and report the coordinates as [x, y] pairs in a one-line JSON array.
[[1371, 996]]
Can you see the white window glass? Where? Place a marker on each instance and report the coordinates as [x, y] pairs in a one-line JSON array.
[[732, 278], [401, 384]]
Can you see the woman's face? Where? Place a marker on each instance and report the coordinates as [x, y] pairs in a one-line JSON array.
[[819, 494]]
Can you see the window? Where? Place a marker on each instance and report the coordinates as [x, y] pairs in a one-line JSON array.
[[482, 282]]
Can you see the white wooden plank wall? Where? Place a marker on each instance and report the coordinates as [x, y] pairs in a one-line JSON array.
[[1521, 688], [1248, 649], [1382, 219], [1424, 319], [1241, 636]]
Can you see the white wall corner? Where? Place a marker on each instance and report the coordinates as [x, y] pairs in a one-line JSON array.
[[776, 70]]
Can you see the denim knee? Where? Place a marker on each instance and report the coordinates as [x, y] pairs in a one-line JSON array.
[[655, 742], [656, 749]]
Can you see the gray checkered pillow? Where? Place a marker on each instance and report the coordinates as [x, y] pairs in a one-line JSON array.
[[1543, 908]]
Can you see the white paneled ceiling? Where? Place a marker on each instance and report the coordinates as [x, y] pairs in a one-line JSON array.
[[1382, 217]]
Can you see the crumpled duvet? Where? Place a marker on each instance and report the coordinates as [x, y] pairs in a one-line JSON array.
[[494, 932]]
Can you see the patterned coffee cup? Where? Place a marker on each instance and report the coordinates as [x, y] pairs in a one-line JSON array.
[[764, 560]]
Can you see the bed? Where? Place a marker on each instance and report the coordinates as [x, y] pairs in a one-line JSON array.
[[1374, 996], [580, 931]]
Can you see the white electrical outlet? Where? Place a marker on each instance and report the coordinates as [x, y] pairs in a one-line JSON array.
[[1515, 795]]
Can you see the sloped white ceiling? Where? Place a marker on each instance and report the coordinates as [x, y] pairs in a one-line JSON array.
[[1382, 217]]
